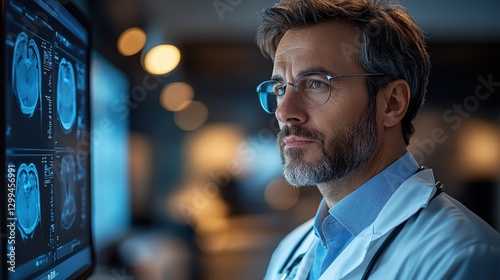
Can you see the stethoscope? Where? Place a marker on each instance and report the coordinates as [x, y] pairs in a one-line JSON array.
[[289, 268]]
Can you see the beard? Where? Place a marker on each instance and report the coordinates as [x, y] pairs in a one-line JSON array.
[[346, 152]]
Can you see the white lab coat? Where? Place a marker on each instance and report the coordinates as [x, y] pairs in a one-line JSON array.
[[444, 241]]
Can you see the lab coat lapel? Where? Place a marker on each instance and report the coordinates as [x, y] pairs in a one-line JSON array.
[[412, 195], [307, 261]]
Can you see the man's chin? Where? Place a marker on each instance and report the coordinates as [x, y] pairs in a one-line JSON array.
[[297, 178], [294, 157]]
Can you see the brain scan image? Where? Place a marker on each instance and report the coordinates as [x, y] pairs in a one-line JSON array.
[[26, 74], [68, 182], [66, 95], [28, 212]]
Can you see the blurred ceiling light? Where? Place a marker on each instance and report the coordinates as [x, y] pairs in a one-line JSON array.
[[281, 196], [162, 59], [131, 41], [176, 96], [192, 117]]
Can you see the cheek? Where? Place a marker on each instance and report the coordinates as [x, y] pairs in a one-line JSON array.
[[340, 113], [349, 101]]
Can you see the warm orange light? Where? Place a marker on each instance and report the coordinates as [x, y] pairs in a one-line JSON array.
[[131, 41], [214, 148], [281, 196], [479, 149], [192, 117], [176, 96], [162, 59]]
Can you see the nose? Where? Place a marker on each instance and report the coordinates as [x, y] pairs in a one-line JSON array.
[[290, 110]]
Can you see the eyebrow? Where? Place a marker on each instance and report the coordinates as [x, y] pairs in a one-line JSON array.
[[319, 69]]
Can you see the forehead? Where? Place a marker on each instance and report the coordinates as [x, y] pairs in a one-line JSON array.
[[331, 45]]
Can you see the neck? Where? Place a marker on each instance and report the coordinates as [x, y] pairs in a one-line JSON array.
[[336, 190]]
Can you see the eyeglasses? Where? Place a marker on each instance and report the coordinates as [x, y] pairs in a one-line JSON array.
[[311, 89]]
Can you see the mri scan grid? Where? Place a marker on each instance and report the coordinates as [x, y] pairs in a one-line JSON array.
[[46, 135]]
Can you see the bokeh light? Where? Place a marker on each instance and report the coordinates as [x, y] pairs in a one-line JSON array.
[[131, 41], [192, 117], [279, 195], [479, 149], [214, 147], [176, 96], [162, 59]]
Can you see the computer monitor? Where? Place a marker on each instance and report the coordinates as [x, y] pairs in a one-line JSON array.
[[45, 114]]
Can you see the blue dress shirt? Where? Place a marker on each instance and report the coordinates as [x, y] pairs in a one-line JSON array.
[[336, 227]]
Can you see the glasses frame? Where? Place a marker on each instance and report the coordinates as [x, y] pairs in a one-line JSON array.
[[294, 86]]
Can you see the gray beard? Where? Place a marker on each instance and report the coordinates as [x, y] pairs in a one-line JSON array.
[[348, 151]]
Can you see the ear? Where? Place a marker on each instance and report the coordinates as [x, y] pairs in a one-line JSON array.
[[393, 101]]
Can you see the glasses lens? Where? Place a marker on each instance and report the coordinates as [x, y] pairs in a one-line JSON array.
[[313, 89], [267, 96]]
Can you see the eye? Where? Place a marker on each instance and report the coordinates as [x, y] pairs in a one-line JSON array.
[[280, 89], [315, 84]]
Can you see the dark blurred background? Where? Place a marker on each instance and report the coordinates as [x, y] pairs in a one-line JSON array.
[[187, 178]]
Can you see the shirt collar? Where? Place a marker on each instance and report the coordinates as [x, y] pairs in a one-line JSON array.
[[360, 208]]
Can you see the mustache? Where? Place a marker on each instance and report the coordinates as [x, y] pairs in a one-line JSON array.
[[298, 131]]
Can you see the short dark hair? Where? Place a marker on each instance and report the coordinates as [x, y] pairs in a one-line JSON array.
[[391, 41]]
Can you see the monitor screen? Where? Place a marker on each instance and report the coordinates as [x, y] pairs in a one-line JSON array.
[[45, 113]]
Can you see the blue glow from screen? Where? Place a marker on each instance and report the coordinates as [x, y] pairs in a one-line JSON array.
[[109, 143]]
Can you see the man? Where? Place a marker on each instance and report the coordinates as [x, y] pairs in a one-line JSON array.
[[348, 79]]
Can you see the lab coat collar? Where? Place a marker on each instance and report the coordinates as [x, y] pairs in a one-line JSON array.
[[412, 195]]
